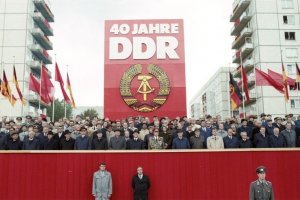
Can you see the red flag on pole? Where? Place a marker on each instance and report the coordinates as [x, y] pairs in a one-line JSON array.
[[70, 91], [59, 79], [285, 84], [18, 87], [278, 77], [245, 83], [34, 84], [47, 88], [263, 79]]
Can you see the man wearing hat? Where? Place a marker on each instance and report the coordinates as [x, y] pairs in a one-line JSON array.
[[261, 188], [102, 183], [67, 143], [135, 142]]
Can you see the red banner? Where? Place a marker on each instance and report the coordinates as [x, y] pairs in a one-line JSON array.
[[144, 68]]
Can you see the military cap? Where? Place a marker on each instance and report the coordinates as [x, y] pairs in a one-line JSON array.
[[28, 117], [135, 131], [67, 132], [19, 118], [261, 169]]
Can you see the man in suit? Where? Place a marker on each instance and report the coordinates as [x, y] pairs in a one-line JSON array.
[[140, 185], [244, 142], [261, 188], [135, 142], [230, 141], [117, 142], [102, 183]]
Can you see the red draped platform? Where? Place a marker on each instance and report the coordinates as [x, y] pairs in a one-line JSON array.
[[174, 175]]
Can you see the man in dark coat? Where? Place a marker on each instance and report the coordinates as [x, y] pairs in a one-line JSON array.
[[50, 143], [135, 142], [230, 141], [14, 143], [140, 185], [67, 143], [261, 139], [244, 142], [277, 140], [83, 142], [31, 143], [99, 143], [261, 188]]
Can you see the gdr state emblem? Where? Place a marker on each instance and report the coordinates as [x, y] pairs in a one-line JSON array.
[[144, 89]]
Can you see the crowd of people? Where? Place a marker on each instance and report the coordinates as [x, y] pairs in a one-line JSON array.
[[140, 133]]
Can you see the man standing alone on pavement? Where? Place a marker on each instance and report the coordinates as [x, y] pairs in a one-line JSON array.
[[140, 185], [102, 183]]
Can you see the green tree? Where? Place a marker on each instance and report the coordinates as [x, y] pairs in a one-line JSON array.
[[89, 113], [59, 110]]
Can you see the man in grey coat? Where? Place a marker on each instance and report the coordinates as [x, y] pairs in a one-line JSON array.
[[289, 135], [261, 188], [102, 183]]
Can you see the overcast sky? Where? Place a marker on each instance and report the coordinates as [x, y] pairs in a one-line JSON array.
[[79, 39]]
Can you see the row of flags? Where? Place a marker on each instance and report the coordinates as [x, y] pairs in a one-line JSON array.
[[279, 81], [43, 87]]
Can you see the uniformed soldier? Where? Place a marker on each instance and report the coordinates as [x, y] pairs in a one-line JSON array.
[[156, 142], [261, 189]]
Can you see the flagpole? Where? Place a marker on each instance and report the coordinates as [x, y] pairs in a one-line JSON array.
[[241, 61], [284, 95], [230, 111], [256, 93], [40, 87], [53, 101], [65, 101]]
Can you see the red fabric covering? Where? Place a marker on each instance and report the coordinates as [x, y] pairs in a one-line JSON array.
[[203, 175]]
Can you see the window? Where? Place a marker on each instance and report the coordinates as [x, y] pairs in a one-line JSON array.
[[289, 35], [291, 52], [291, 69], [295, 103], [287, 4], [289, 19]]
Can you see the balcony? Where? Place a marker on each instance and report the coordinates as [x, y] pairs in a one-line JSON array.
[[248, 66], [40, 53], [238, 8], [246, 49], [240, 40], [35, 66], [42, 23], [44, 9], [34, 99], [42, 39], [236, 57], [240, 23]]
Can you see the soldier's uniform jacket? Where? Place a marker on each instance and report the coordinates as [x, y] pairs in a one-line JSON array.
[[261, 190], [156, 143]]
